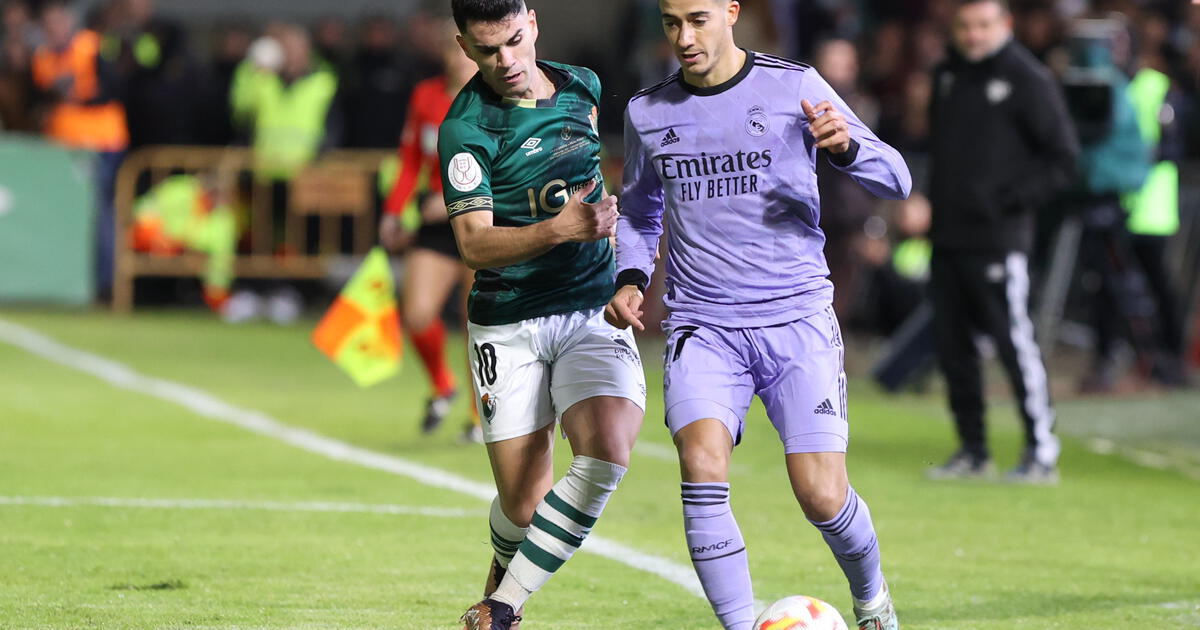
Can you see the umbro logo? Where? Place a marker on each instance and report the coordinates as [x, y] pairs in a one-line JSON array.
[[825, 408], [531, 146], [670, 138]]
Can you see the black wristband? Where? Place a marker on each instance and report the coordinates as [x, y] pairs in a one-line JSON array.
[[635, 277], [846, 158]]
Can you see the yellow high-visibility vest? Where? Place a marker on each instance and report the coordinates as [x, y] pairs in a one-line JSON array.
[[288, 119], [1154, 209]]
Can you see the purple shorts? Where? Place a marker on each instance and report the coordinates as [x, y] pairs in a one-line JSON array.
[[795, 368]]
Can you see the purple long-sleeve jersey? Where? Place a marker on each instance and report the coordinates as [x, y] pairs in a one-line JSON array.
[[733, 170]]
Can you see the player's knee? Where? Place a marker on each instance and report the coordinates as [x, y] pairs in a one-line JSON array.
[[820, 502], [703, 462], [519, 510], [613, 450], [417, 319], [604, 429]]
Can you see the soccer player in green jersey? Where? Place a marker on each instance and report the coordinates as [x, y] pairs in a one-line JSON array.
[[520, 156]]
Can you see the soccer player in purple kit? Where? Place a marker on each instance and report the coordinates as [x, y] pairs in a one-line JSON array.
[[725, 151]]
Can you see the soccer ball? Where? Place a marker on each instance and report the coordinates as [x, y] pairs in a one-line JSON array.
[[799, 612]]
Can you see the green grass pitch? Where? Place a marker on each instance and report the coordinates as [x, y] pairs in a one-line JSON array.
[[1116, 545]]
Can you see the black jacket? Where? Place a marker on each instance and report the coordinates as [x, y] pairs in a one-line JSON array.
[[1003, 146]]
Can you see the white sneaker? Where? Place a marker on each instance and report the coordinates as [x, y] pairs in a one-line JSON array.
[[284, 306], [882, 616], [242, 307]]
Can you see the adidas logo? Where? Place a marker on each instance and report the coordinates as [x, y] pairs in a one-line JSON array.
[[825, 408], [670, 138]]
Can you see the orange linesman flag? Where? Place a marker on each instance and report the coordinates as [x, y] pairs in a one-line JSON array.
[[361, 331]]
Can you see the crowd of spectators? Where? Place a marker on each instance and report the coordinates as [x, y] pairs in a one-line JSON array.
[[174, 78]]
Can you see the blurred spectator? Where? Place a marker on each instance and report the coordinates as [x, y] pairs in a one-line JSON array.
[[1154, 211], [1002, 148], [1114, 162], [378, 86], [79, 88], [847, 205], [1124, 254], [216, 118], [897, 268], [422, 50], [286, 99], [648, 58], [1040, 29], [330, 43], [837, 61], [886, 76], [159, 74], [756, 28], [929, 46], [195, 213], [805, 23], [18, 38]]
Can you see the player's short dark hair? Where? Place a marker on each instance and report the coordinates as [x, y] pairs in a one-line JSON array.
[[466, 11], [1003, 3]]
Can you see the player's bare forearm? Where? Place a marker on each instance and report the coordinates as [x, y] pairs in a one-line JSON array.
[[486, 246]]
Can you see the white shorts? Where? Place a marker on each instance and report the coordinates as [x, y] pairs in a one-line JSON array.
[[528, 373]]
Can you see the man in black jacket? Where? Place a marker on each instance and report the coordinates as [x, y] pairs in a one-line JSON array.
[[1002, 147]]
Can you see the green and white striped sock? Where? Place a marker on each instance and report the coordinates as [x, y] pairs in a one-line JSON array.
[[560, 524], [506, 536]]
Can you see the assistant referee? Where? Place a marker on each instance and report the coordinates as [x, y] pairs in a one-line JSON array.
[[1002, 147]]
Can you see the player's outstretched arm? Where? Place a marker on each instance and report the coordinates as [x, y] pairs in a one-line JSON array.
[[851, 145], [486, 246]]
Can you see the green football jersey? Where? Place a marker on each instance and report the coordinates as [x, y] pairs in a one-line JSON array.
[[522, 160]]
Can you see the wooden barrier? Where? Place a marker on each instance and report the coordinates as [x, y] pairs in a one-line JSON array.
[[339, 185]]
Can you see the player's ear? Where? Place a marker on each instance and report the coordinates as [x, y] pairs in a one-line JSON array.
[[733, 12], [533, 26], [462, 43]]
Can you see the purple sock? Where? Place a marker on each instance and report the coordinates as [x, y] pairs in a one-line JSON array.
[[851, 537], [718, 553]]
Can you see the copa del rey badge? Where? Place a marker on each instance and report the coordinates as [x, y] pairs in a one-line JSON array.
[[464, 172]]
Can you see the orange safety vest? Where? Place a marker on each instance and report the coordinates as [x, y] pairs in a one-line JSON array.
[[99, 127]]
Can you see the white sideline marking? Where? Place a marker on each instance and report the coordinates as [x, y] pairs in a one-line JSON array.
[[656, 451], [1146, 459], [209, 406], [222, 504]]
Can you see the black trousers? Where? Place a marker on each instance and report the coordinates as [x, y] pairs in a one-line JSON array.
[[1151, 255], [1133, 296], [989, 293]]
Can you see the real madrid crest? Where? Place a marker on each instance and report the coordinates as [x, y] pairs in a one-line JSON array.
[[757, 123], [566, 132]]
